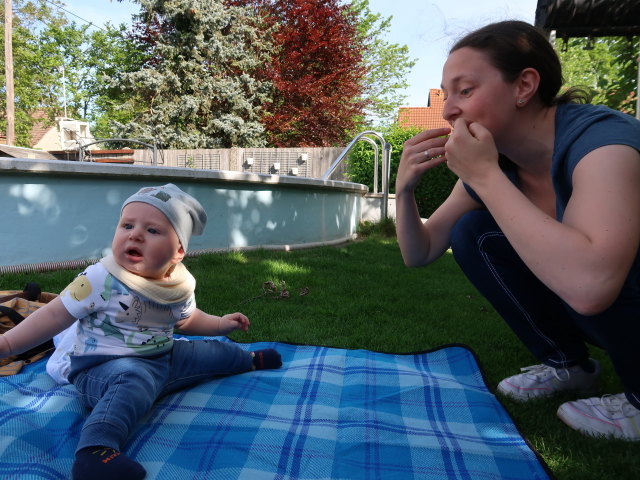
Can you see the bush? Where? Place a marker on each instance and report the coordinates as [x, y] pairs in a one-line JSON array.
[[384, 228], [433, 188]]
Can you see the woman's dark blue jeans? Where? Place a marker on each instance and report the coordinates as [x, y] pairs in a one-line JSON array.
[[552, 331]]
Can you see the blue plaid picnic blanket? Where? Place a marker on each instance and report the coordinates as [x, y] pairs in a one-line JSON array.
[[327, 414]]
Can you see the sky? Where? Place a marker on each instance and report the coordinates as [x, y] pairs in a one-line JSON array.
[[427, 27]]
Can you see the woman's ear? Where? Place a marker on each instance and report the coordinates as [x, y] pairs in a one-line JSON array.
[[527, 85]]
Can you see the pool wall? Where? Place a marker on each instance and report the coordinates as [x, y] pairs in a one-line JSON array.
[[62, 213]]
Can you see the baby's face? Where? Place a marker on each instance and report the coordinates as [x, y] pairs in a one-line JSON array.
[[145, 242]]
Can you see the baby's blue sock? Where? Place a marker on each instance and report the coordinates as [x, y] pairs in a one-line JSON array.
[[266, 359], [104, 463]]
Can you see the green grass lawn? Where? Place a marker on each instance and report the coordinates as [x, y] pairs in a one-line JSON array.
[[361, 295]]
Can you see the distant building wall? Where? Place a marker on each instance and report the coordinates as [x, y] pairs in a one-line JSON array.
[[66, 134], [50, 140]]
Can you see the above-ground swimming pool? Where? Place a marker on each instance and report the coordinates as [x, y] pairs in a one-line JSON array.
[[58, 214]]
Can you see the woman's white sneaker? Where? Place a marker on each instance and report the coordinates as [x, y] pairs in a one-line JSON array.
[[607, 416], [544, 381]]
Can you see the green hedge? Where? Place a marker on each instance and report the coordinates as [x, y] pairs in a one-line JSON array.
[[433, 188]]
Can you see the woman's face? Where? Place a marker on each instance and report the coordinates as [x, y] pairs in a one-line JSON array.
[[476, 91]]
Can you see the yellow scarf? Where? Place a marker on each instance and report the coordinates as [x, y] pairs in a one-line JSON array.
[[179, 287]]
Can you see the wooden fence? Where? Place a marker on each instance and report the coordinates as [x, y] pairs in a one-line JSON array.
[[309, 162]]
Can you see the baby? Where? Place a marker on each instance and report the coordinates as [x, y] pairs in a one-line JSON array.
[[117, 320]]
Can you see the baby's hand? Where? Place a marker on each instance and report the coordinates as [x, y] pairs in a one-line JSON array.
[[233, 321]]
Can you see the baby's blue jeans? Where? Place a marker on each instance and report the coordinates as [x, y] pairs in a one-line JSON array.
[[121, 390], [551, 330]]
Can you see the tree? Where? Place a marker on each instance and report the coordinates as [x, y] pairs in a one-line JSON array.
[[111, 53], [196, 86], [61, 69], [605, 66], [54, 58], [387, 66], [316, 72], [34, 70]]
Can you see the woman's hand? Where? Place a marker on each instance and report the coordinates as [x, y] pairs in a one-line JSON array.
[[420, 153], [471, 152]]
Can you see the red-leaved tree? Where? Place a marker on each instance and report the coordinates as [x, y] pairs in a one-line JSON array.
[[316, 72]]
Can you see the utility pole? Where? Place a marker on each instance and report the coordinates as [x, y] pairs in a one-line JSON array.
[[8, 72], [64, 89]]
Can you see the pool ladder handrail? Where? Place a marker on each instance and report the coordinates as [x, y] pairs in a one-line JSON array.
[[154, 148], [386, 164]]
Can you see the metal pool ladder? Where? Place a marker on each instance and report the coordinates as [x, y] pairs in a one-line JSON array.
[[386, 164]]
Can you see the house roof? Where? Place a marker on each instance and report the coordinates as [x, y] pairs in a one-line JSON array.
[[425, 117], [41, 125], [20, 152]]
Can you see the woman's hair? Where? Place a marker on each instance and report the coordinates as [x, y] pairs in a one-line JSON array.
[[512, 46]]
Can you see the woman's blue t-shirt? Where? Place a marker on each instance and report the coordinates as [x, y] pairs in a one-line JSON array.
[[579, 130]]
